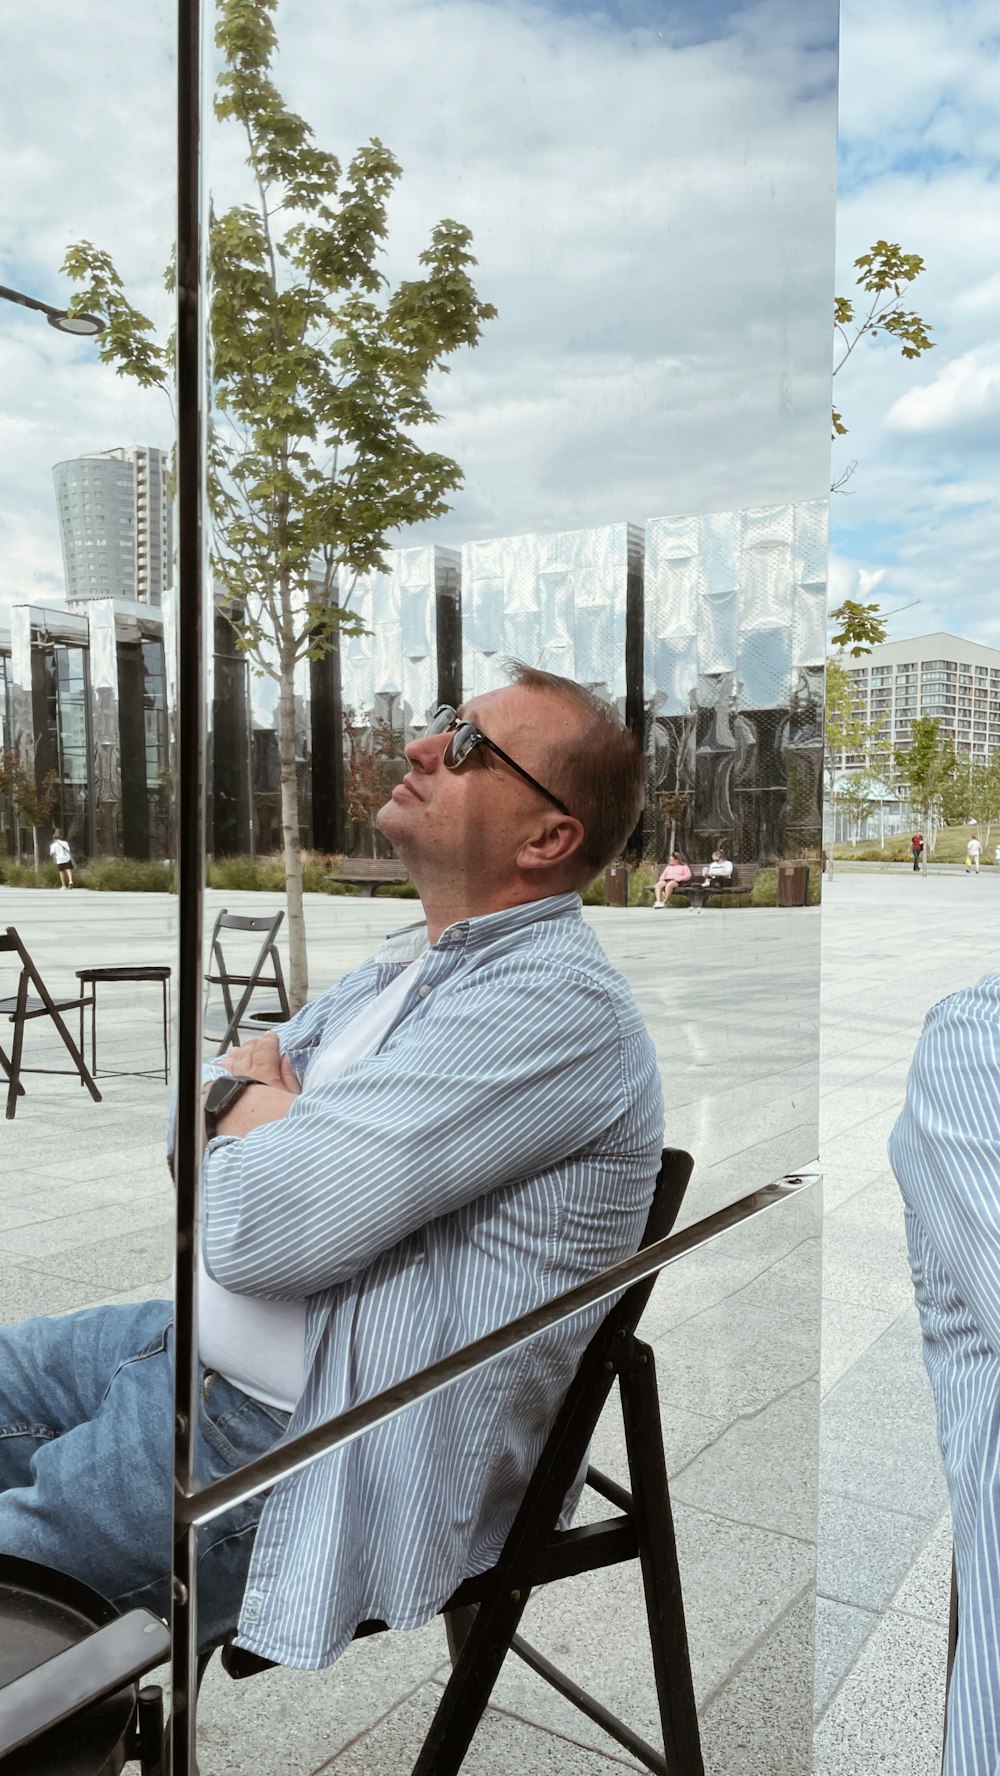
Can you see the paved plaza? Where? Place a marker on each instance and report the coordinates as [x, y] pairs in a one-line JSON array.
[[87, 1212]]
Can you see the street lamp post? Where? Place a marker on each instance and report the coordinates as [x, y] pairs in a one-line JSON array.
[[82, 325]]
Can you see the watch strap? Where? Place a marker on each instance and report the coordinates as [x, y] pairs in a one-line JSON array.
[[222, 1094]]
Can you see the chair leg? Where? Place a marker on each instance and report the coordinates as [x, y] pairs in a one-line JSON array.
[[457, 1624], [150, 1730], [658, 1558], [481, 1654], [15, 1089]]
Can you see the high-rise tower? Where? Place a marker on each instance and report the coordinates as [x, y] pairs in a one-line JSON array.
[[115, 524]]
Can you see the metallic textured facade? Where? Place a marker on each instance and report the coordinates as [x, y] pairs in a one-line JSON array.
[[394, 670], [558, 602], [734, 649]]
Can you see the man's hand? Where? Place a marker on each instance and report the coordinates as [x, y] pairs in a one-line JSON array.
[[257, 1105], [258, 1058]]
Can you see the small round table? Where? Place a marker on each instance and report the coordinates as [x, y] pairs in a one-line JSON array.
[[127, 972], [41, 1613]]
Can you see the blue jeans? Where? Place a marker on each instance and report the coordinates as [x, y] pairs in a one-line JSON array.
[[86, 1458]]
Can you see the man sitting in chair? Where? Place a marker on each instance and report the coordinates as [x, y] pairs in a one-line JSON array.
[[462, 1128]]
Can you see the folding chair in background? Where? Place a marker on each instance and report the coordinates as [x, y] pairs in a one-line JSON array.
[[236, 1011], [24, 1007]]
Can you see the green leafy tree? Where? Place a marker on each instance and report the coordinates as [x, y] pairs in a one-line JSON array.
[[955, 799], [884, 272], [927, 767], [858, 795], [984, 796], [373, 765], [30, 805], [320, 375], [845, 729]]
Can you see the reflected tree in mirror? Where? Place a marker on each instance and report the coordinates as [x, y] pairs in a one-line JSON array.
[[320, 375], [30, 804], [927, 767], [845, 730]]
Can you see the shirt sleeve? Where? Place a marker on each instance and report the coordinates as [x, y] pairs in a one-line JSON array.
[[945, 1148], [491, 1079]]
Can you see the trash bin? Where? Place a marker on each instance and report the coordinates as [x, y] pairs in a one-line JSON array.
[[793, 884], [616, 885]]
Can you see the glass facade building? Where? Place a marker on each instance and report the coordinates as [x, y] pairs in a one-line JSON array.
[[115, 524]]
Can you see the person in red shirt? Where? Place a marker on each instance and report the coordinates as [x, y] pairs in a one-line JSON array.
[[917, 846]]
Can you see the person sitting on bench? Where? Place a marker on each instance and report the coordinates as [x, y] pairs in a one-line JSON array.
[[460, 1129], [671, 876], [719, 870]]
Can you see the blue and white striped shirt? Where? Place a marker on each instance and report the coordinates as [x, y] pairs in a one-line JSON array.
[[498, 1146], [945, 1152]]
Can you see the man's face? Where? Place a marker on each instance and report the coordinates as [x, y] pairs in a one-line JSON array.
[[475, 818]]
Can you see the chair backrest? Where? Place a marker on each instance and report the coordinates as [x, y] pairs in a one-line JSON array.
[[247, 981]]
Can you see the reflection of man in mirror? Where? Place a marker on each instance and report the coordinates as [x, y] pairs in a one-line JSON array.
[[462, 1128]]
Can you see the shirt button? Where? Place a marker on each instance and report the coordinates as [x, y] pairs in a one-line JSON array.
[[422, 992]]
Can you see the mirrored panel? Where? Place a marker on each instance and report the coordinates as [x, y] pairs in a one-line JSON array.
[[613, 230]]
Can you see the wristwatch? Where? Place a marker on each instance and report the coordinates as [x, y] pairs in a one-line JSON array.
[[221, 1096]]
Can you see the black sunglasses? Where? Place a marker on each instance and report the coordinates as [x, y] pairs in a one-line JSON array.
[[465, 737]]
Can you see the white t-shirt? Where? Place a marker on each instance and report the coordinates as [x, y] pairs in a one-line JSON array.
[[720, 866], [259, 1345], [60, 853], [974, 848]]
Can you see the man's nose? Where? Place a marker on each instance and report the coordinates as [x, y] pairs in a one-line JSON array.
[[427, 752]]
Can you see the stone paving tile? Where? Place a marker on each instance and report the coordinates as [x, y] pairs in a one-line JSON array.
[[502, 1744], [757, 1725], [285, 1723], [841, 1631], [864, 1550], [848, 1332], [879, 1441], [886, 1719], [926, 1589]]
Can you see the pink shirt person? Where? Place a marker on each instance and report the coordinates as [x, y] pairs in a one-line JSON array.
[[671, 876]]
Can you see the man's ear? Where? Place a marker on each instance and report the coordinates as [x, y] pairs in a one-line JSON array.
[[553, 844]]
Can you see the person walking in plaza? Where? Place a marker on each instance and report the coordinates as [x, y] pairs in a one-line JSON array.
[[457, 1131], [62, 857], [917, 846], [973, 852], [996, 857], [671, 876]]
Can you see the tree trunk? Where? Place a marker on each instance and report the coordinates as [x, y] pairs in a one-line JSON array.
[[35, 832], [298, 963]]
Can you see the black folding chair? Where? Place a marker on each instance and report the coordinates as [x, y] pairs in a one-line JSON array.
[[237, 1010], [483, 1614], [23, 1008]]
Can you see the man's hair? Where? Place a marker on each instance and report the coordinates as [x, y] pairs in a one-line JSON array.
[[601, 777]]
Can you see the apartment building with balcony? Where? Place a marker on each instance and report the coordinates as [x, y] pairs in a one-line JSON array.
[[955, 681]]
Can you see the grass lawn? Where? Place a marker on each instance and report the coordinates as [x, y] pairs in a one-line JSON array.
[[949, 847]]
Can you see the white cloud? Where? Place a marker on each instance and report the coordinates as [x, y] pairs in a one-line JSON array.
[[651, 214], [960, 407]]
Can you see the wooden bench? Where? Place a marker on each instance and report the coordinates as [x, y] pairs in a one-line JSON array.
[[371, 873], [740, 882]]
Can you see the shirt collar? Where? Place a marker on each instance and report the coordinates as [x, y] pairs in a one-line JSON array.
[[410, 942]]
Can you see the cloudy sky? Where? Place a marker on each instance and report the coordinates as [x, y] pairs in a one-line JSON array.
[[650, 185]]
